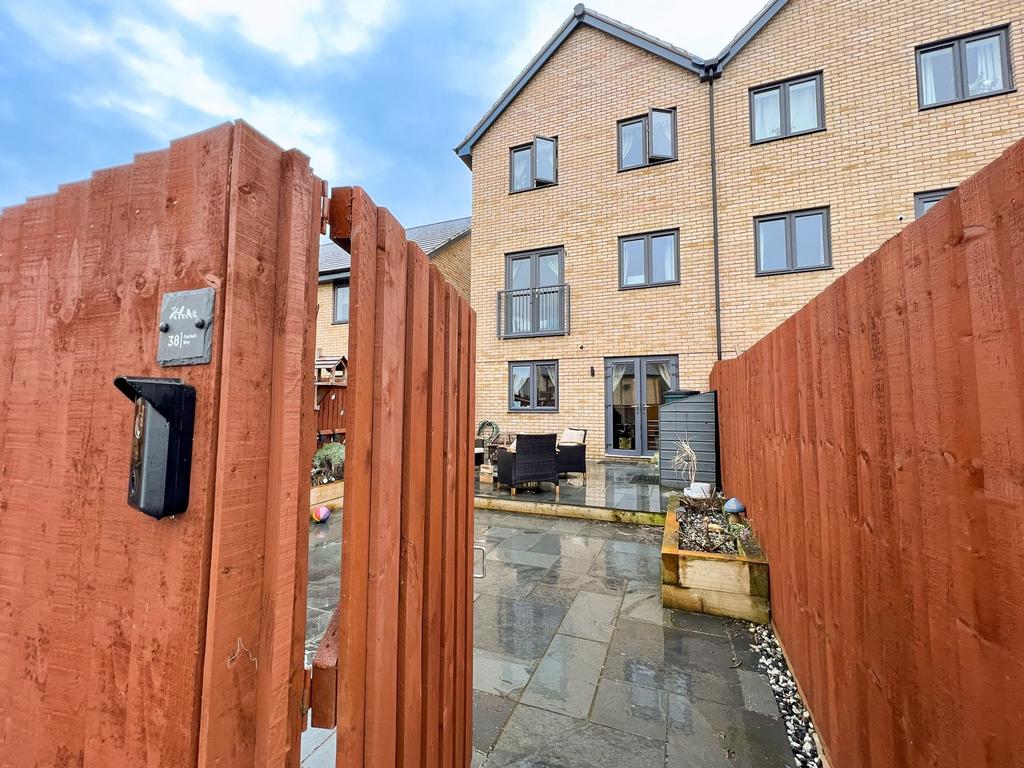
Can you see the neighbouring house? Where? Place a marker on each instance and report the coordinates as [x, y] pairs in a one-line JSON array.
[[639, 212], [446, 243]]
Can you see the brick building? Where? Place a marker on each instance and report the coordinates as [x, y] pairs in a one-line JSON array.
[[639, 212], [447, 243]]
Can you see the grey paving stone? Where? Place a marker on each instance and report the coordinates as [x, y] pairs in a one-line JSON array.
[[478, 759], [757, 693], [518, 628], [521, 557], [509, 579], [490, 714], [631, 708], [674, 660], [325, 755], [535, 738], [547, 593], [628, 560], [569, 545], [642, 602], [311, 739], [562, 577], [751, 740], [500, 675], [566, 678], [522, 540], [591, 616]]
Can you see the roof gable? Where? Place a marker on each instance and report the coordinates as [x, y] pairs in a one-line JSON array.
[[705, 68], [580, 16]]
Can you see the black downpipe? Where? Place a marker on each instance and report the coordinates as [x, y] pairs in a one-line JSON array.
[[714, 213]]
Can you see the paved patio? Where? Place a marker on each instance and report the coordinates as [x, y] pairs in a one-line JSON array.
[[621, 485], [577, 664]]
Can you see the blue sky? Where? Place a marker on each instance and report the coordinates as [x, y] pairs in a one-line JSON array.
[[377, 92]]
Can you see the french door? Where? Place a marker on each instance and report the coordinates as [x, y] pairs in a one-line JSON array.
[[635, 389]]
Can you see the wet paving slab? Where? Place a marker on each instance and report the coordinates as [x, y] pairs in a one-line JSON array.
[[576, 663]]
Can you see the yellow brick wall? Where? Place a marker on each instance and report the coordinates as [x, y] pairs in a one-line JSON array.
[[579, 95], [878, 148], [454, 262], [331, 337]]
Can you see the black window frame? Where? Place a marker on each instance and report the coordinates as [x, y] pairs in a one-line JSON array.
[[931, 196], [335, 287], [647, 237], [534, 182], [790, 217], [646, 141], [533, 408], [958, 43], [783, 86]]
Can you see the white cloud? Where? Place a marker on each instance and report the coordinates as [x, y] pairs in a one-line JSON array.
[[300, 31], [167, 88]]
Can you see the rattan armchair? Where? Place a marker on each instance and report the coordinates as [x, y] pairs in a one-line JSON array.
[[535, 460]]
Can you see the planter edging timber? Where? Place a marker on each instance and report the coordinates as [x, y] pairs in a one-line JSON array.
[[734, 586], [327, 493]]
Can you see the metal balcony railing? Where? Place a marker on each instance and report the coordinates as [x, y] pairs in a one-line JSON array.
[[533, 312]]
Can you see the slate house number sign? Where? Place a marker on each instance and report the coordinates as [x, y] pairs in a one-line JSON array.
[[186, 328]]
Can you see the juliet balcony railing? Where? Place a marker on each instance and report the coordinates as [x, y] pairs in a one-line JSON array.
[[533, 312]]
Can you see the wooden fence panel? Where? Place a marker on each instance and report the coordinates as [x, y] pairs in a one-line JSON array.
[[119, 633], [877, 438], [405, 617]]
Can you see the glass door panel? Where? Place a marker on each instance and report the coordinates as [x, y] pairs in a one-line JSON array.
[[635, 389], [623, 406], [659, 379], [520, 300], [549, 305]]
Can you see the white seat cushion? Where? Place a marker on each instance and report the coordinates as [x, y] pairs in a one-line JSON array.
[[573, 436]]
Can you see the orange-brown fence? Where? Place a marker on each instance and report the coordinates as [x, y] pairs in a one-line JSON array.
[[877, 438], [404, 643], [330, 410], [126, 640]]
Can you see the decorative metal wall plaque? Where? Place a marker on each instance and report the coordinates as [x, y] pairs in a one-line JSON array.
[[186, 328]]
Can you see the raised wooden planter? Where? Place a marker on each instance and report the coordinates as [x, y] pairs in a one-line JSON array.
[[327, 493], [734, 586]]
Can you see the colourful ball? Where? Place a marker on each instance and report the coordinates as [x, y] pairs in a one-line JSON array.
[[320, 514]]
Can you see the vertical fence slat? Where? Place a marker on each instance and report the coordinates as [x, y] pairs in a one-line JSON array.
[[435, 557], [354, 218], [386, 500], [414, 514]]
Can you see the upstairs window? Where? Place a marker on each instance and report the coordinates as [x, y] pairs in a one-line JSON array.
[[649, 259], [923, 201], [533, 165], [793, 242], [963, 68], [647, 139], [790, 108], [341, 302]]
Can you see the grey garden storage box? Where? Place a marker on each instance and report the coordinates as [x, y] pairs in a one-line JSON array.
[[693, 418]]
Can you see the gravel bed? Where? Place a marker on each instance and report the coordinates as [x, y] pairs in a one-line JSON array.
[[791, 705]]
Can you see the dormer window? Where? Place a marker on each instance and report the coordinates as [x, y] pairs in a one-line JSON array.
[[647, 139], [533, 165]]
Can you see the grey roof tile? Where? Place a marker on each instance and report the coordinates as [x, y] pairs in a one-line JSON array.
[[429, 237]]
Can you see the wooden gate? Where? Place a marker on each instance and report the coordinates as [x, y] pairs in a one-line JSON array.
[[126, 640]]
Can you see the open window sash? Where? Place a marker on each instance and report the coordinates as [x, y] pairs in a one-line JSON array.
[[661, 144], [545, 160]]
